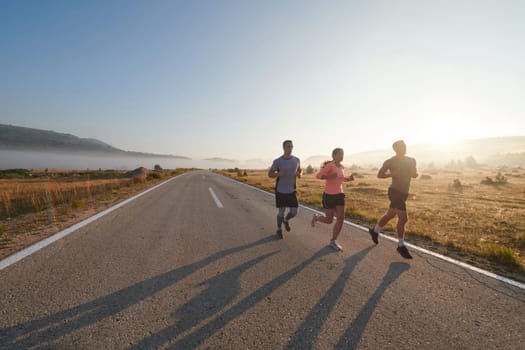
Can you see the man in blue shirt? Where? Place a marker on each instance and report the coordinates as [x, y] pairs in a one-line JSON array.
[[285, 170]]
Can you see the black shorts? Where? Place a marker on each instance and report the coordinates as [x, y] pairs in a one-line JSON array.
[[286, 200], [330, 201], [397, 199]]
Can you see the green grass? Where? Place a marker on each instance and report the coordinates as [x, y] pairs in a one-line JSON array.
[[501, 255]]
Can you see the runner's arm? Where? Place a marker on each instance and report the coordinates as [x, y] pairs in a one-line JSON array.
[[414, 173], [383, 172], [273, 172], [325, 173]]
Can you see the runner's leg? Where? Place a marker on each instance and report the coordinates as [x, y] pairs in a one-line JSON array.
[[280, 217], [401, 222], [328, 218], [292, 212], [340, 218]]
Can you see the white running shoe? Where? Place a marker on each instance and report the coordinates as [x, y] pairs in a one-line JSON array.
[[335, 245]]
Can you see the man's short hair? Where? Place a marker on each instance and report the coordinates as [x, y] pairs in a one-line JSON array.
[[399, 146], [285, 142]]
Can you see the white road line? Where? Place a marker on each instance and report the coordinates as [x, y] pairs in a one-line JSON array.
[[10, 260], [422, 250], [217, 201]]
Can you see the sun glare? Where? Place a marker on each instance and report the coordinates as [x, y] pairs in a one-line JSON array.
[[444, 140], [445, 132]]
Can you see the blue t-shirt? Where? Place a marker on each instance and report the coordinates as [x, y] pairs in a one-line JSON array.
[[288, 167]]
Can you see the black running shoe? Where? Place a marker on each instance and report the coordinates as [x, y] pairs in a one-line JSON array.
[[374, 235], [286, 226], [279, 233], [403, 251]]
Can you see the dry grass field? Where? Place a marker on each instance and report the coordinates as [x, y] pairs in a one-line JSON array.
[[450, 212], [36, 204]]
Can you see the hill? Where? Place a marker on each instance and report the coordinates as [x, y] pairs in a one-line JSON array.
[[22, 138], [497, 151]]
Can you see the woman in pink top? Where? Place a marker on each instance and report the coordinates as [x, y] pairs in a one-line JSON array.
[[333, 196]]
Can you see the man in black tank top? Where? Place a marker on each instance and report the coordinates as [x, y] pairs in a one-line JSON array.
[[401, 169]]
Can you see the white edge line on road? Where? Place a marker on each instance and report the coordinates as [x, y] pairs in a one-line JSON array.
[[10, 260], [217, 201], [422, 250]]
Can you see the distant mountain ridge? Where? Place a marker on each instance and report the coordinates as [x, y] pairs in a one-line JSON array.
[[222, 160], [22, 138], [496, 151]]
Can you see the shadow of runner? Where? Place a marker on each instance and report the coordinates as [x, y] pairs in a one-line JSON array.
[[353, 335], [193, 340], [308, 331], [48, 328], [221, 290]]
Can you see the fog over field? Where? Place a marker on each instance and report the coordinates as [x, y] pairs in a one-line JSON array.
[[10, 159], [29, 148], [424, 154]]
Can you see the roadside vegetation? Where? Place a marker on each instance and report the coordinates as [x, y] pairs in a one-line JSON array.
[[475, 215], [37, 203]]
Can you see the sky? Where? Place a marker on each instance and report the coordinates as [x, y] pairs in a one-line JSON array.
[[233, 79]]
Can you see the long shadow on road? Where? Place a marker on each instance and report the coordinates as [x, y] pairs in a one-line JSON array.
[[352, 336], [221, 290], [196, 338], [310, 328], [46, 329]]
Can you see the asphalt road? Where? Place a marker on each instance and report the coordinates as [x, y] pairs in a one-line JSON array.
[[179, 269]]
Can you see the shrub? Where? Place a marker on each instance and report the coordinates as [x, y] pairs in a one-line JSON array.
[[501, 254], [78, 203], [14, 173], [426, 177], [309, 170], [500, 179], [457, 184], [152, 176], [487, 181]]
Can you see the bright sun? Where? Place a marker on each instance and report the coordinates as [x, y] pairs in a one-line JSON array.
[[445, 139], [445, 131]]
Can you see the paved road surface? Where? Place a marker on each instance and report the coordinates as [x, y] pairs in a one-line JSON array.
[[174, 270]]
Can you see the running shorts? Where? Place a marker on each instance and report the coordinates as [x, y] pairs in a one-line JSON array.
[[397, 199], [330, 201], [286, 200]]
